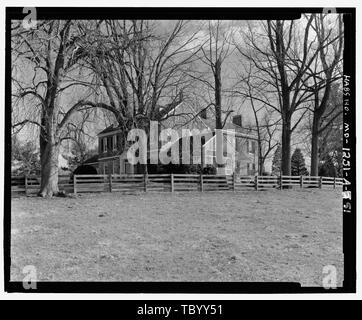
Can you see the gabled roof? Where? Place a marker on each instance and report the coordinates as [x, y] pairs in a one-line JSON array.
[[109, 129], [211, 125], [239, 131], [206, 123]]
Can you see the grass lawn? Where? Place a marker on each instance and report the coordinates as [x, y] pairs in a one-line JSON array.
[[272, 235]]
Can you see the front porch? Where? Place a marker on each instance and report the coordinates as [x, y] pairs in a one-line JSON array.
[[116, 165]]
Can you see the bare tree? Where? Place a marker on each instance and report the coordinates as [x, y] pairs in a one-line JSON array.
[[140, 72], [214, 52], [123, 67], [281, 53], [268, 138], [267, 129], [266, 126], [325, 111], [331, 123], [44, 63]]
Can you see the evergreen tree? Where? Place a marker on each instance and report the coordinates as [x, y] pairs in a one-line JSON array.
[[327, 167], [298, 164], [277, 159]]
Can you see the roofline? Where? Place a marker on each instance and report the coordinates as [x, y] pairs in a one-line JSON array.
[[100, 135], [89, 164], [196, 114], [111, 157], [241, 134], [173, 109]]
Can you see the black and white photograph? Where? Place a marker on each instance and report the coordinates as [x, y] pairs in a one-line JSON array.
[[180, 150]]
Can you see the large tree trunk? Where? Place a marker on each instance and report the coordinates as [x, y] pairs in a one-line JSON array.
[[49, 153], [314, 162], [217, 76], [49, 172], [218, 124], [261, 166], [286, 137], [260, 156]]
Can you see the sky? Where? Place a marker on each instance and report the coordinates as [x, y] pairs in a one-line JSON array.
[[231, 73]]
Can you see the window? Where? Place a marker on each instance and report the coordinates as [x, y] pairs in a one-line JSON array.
[[237, 145], [106, 168], [115, 142], [253, 146], [104, 145], [110, 143], [125, 166], [208, 160]]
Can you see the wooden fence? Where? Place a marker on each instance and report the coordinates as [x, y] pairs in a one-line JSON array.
[[171, 183]]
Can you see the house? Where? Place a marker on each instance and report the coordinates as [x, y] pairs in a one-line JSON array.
[[111, 159], [243, 159]]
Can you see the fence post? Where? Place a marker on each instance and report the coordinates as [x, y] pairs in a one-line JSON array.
[[320, 182], [75, 184], [281, 182], [26, 185], [234, 180], [334, 183], [256, 183], [145, 181], [110, 182], [201, 182], [301, 181], [172, 183]]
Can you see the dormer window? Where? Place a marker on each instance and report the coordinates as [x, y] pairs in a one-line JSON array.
[[115, 142], [104, 145]]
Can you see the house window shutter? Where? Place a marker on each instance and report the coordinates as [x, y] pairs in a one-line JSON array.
[[110, 143], [104, 145], [253, 147], [115, 142], [237, 145]]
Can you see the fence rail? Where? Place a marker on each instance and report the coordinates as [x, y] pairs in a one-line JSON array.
[[171, 183]]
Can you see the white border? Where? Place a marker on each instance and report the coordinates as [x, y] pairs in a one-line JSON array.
[[184, 3]]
